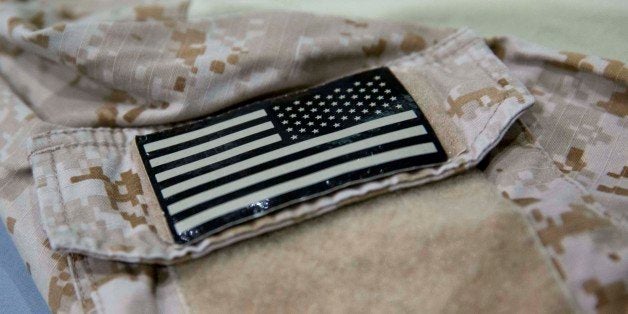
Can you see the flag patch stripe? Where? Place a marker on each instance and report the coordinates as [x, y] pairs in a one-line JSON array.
[[291, 149], [188, 136], [211, 144], [204, 139], [250, 164], [259, 158], [216, 155], [284, 168], [304, 181], [301, 172], [279, 202]]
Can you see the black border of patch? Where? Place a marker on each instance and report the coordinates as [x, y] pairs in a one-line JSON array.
[[247, 213]]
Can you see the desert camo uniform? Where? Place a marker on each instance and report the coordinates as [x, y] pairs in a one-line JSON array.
[[528, 213]]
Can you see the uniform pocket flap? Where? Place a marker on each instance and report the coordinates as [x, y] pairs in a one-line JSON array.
[[95, 196]]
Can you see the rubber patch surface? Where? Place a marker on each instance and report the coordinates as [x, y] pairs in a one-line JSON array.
[[261, 157]]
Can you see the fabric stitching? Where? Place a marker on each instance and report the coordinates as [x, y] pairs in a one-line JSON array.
[[91, 130], [122, 146], [76, 282], [63, 208], [66, 221], [497, 106], [90, 277]]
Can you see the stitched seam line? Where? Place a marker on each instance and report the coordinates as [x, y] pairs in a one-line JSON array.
[[52, 149], [66, 220], [497, 106], [491, 118], [59, 194], [90, 277], [73, 241], [81, 295], [91, 130]]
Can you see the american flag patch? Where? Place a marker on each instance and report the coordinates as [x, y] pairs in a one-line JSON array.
[[261, 157]]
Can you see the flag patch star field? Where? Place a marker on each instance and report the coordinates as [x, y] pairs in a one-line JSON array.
[[264, 156]]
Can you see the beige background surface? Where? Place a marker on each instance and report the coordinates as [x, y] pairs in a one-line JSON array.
[[386, 259], [597, 27]]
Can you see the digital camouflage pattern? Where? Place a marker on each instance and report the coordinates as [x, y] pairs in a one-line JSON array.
[[565, 164], [82, 217]]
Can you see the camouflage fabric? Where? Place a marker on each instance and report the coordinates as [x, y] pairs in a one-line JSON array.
[[565, 164], [79, 82], [87, 209]]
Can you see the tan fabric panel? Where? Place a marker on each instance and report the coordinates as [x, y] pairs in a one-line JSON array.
[[451, 246]]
